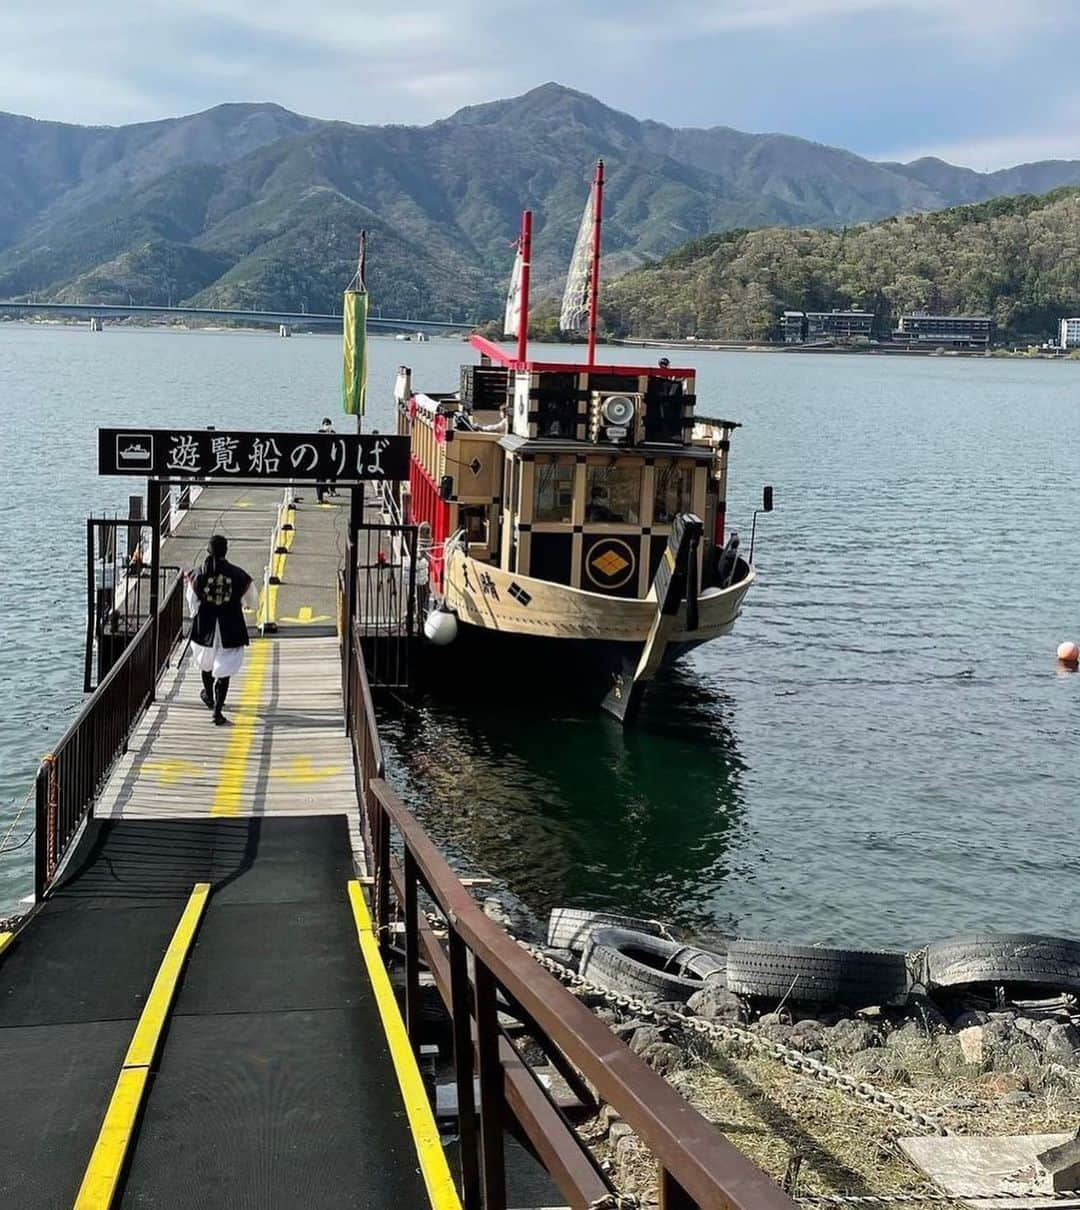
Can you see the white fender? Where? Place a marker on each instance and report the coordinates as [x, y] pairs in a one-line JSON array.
[[440, 627]]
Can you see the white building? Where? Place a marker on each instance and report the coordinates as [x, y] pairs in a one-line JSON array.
[[1070, 333]]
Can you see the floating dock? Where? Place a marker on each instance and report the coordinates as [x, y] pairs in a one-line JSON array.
[[220, 998]]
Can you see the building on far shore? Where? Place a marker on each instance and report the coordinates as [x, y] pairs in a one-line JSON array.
[[839, 325], [799, 326], [793, 327], [945, 331], [1069, 337]]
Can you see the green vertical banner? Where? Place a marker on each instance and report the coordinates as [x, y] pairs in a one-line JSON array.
[[354, 378]]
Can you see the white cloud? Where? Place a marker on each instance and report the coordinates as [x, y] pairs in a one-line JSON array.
[[688, 62]]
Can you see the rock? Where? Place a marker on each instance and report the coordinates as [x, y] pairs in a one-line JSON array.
[[623, 1029], [878, 1066], [1018, 1054], [973, 1044], [608, 1015], [646, 1036], [506, 909], [1001, 1083], [911, 1033], [716, 1003], [663, 1057], [964, 1104], [807, 1036], [948, 1058], [1017, 1098], [618, 1130], [775, 1031], [1038, 1030], [781, 1018], [1062, 1043], [849, 1037]]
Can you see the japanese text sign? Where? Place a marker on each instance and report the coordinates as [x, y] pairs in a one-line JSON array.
[[227, 454]]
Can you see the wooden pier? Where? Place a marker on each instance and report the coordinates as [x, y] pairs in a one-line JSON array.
[[221, 997]]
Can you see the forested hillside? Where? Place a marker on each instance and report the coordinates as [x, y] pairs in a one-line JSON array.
[[254, 206], [1017, 259]]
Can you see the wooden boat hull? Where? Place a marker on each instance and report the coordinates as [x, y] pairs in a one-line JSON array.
[[560, 641]]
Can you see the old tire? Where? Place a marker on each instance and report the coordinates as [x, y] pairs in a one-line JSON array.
[[570, 928], [810, 975], [1004, 958], [649, 968]]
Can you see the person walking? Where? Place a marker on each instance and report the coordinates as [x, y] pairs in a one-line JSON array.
[[321, 489], [216, 595]]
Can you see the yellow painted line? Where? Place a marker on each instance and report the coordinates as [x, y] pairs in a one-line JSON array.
[[114, 1139], [229, 795], [429, 1151], [306, 616], [169, 772], [267, 605], [303, 771], [285, 537], [5, 941], [277, 566]]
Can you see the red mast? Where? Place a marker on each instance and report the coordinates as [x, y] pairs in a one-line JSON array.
[[526, 254], [594, 282]]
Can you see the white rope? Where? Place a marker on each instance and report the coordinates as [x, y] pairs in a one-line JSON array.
[[4, 846]]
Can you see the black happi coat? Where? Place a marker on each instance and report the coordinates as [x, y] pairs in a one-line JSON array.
[[220, 587]]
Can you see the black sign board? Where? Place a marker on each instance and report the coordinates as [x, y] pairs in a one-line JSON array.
[[223, 454]]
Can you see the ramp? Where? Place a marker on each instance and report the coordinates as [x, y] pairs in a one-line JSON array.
[[274, 1086]]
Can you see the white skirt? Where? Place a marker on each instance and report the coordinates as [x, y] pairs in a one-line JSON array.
[[218, 660]]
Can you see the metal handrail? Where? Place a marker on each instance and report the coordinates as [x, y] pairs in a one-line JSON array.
[[70, 777], [698, 1166]]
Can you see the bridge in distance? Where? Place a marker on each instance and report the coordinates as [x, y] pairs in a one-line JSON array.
[[376, 323]]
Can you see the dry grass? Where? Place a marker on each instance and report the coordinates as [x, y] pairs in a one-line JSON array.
[[772, 1113]]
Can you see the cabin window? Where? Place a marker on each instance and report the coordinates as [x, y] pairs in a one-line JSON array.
[[475, 522], [613, 494], [674, 491], [553, 491]]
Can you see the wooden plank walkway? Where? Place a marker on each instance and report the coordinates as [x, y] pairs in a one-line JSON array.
[[285, 752]]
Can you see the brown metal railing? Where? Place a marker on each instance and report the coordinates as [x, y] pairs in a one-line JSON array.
[[70, 777], [481, 972]]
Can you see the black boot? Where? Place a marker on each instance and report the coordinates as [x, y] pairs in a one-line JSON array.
[[207, 695], [221, 689]]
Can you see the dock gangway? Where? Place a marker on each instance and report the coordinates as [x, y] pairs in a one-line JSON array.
[[247, 964]]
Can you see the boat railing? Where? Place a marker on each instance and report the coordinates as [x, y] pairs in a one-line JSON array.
[[426, 915], [72, 774]]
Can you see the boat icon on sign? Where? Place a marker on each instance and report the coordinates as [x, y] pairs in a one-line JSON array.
[[135, 449]]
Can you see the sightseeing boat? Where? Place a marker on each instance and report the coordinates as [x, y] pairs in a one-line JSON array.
[[572, 514]]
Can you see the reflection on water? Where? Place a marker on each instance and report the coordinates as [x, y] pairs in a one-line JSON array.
[[570, 808]]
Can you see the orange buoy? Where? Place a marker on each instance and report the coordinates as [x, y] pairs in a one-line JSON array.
[[1068, 653]]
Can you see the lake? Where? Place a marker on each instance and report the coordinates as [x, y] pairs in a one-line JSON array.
[[885, 751]]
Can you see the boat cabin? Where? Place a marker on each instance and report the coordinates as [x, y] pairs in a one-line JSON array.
[[567, 473]]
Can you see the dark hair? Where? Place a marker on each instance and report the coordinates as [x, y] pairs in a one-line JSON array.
[[218, 546], [327, 420], [664, 362]]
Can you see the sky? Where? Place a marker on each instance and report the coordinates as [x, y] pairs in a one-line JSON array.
[[984, 83]]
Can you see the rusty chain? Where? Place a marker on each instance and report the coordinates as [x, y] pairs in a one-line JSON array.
[[793, 1059]]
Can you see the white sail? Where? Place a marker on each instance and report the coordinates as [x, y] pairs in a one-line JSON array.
[[574, 316], [512, 319]]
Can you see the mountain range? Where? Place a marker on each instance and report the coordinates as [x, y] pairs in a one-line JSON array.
[[250, 205]]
